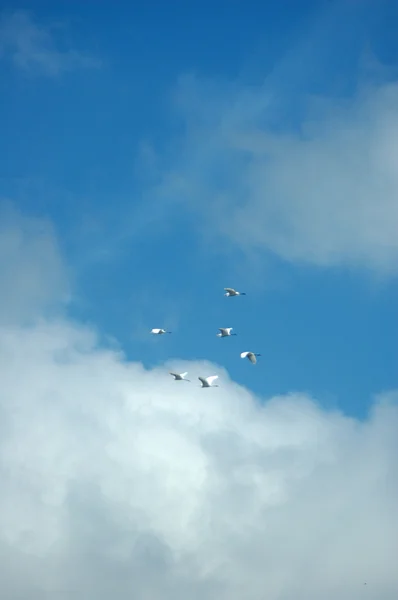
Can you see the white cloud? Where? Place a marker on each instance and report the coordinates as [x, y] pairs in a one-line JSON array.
[[31, 46], [325, 195], [119, 482]]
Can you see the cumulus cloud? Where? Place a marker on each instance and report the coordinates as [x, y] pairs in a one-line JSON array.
[[32, 46], [325, 193], [119, 482]]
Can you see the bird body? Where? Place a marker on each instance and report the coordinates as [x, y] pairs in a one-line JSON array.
[[208, 381], [225, 332], [180, 376], [251, 356], [232, 292], [159, 331]]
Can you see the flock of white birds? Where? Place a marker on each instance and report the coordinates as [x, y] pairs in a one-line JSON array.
[[207, 382]]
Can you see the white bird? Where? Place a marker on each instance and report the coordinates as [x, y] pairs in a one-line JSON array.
[[208, 381], [180, 376], [251, 356], [159, 331], [225, 332], [232, 292]]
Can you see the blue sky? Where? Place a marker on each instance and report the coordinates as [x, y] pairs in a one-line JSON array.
[[150, 155], [101, 120]]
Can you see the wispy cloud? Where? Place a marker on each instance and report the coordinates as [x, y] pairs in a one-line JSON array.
[[33, 47], [302, 165], [325, 194], [32, 273]]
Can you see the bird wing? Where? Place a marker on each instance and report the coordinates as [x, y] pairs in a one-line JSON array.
[[155, 330], [243, 354], [230, 290], [174, 374], [203, 380], [222, 329], [212, 378], [183, 374], [228, 329], [252, 358]]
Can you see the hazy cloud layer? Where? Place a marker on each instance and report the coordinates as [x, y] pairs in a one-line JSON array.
[[119, 482], [34, 47], [324, 193]]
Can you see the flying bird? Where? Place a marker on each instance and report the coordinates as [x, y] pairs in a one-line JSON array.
[[180, 376], [159, 331], [232, 292], [225, 332], [208, 381], [251, 356]]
